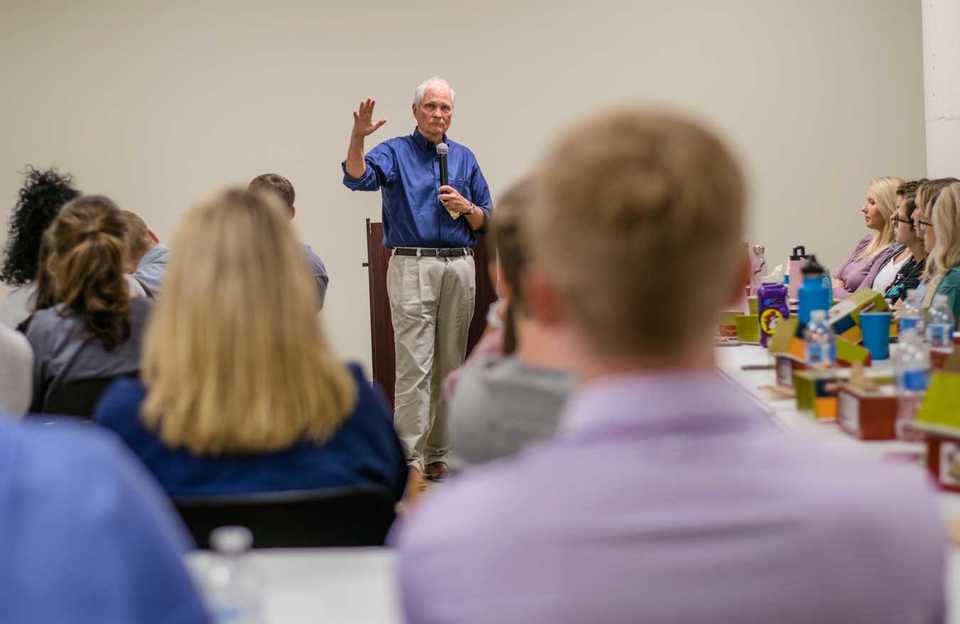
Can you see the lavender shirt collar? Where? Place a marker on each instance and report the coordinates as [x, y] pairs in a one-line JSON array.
[[660, 403]]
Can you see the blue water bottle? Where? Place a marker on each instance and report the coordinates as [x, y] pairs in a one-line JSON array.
[[813, 293]]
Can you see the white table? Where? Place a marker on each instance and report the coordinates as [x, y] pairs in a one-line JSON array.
[[342, 585], [784, 412]]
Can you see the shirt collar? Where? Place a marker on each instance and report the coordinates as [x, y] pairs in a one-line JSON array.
[[425, 144], [157, 251], [661, 402]]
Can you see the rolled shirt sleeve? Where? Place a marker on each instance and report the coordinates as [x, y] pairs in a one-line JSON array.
[[381, 168]]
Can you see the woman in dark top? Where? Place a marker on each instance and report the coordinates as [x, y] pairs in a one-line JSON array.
[[909, 275], [241, 392], [94, 329]]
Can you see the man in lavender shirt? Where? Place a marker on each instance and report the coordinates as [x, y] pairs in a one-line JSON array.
[[667, 496]]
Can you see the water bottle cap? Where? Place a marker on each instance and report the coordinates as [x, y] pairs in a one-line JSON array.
[[799, 253], [231, 539], [812, 267], [818, 315]]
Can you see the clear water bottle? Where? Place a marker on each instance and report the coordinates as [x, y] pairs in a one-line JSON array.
[[912, 373], [818, 335], [911, 315], [940, 324], [231, 584]]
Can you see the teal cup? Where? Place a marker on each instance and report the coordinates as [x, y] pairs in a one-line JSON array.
[[875, 327]]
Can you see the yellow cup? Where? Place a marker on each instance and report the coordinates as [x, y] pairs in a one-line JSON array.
[[748, 327], [753, 304]]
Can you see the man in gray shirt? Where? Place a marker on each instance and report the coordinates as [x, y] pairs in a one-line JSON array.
[[501, 405], [505, 400], [283, 188], [146, 257]]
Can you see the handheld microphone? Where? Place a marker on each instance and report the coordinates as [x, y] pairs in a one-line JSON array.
[[442, 151]]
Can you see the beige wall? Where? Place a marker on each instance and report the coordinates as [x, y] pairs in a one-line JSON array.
[[941, 81], [156, 107]]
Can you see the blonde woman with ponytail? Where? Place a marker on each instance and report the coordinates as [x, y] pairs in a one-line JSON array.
[[94, 328], [874, 249], [241, 390], [943, 263]]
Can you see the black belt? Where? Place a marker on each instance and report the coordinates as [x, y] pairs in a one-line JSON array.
[[433, 252]]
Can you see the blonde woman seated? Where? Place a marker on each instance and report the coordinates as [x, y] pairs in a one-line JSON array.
[[241, 392], [943, 264], [872, 252], [93, 327]]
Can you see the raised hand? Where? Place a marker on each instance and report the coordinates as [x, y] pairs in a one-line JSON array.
[[363, 124]]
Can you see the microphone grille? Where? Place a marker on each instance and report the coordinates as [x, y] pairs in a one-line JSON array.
[[442, 148]]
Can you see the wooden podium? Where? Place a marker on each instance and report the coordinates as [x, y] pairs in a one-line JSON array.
[[381, 327]]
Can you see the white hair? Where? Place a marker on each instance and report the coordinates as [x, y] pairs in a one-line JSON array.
[[429, 82]]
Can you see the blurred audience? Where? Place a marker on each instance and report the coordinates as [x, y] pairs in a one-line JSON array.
[[43, 194], [283, 188], [875, 248], [146, 257], [667, 495], [94, 330], [503, 402], [909, 263], [87, 535], [241, 391], [16, 372]]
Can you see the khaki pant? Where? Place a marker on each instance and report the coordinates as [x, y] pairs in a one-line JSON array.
[[431, 303]]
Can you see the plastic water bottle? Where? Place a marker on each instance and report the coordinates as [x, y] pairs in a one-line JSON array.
[[911, 315], [940, 324], [912, 372], [231, 585], [818, 335]]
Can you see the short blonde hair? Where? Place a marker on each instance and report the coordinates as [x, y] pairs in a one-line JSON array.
[[885, 188], [638, 224], [235, 359], [946, 224], [138, 238]]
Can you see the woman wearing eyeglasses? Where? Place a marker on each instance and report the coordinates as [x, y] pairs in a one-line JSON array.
[[874, 249], [941, 226], [902, 272]]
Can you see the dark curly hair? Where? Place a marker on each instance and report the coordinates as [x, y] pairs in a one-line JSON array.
[[43, 194]]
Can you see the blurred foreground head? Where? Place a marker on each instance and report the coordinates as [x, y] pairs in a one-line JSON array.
[[636, 232]]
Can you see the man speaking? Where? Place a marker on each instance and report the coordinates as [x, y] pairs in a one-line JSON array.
[[434, 199]]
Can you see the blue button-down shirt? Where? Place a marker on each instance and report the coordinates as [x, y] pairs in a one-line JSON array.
[[407, 172]]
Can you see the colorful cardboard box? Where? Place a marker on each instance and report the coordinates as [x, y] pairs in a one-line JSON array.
[[818, 389], [868, 413], [844, 317], [939, 420]]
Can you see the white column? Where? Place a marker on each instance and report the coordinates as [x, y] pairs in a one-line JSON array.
[[941, 86]]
